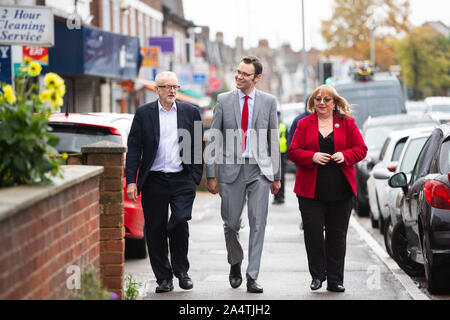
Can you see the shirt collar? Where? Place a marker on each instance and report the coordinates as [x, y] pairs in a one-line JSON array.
[[160, 107], [251, 95]]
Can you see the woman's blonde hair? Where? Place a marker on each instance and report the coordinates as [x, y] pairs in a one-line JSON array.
[[342, 107]]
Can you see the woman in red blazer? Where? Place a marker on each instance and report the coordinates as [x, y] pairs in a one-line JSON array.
[[325, 147]]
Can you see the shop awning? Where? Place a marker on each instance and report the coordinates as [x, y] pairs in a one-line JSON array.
[[92, 51], [180, 95], [192, 93]]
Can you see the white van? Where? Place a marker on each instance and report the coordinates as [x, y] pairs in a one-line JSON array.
[[379, 95]]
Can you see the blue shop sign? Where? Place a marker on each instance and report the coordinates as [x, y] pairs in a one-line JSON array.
[[199, 78], [95, 52], [5, 64]]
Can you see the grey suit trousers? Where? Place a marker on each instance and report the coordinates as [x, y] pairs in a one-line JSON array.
[[253, 187]]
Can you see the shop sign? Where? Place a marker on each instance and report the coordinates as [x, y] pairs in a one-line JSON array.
[[151, 57], [165, 43], [5, 64], [26, 26], [38, 54]]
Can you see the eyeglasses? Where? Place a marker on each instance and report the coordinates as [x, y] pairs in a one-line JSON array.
[[325, 99], [168, 87], [244, 74]]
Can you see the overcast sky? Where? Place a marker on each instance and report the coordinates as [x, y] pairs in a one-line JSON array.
[[257, 19]]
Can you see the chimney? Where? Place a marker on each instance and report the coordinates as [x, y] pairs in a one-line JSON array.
[[219, 37]]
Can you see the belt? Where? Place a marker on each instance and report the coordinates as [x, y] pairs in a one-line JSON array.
[[168, 174]]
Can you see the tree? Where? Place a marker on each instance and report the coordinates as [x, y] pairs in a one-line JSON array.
[[424, 56], [349, 30]]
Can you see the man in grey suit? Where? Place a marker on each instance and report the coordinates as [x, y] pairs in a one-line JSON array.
[[244, 144]]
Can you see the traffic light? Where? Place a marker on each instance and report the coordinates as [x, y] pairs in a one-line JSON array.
[[327, 71]]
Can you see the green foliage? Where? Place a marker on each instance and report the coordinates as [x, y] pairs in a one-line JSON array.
[[348, 31], [425, 59], [90, 288], [26, 145], [131, 291]]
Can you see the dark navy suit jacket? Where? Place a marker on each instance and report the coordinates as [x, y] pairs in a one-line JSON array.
[[143, 142]]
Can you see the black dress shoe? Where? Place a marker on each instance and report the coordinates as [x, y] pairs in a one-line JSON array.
[[184, 281], [278, 201], [253, 286], [333, 287], [316, 284], [235, 275], [164, 286]]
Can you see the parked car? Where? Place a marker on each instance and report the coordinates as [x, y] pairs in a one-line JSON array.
[[442, 117], [405, 164], [77, 130], [415, 107], [425, 211], [374, 132], [377, 186], [437, 104]]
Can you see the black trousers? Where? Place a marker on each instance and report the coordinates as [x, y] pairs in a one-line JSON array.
[[280, 194], [163, 233], [326, 255]]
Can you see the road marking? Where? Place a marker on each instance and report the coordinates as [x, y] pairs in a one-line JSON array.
[[399, 274]]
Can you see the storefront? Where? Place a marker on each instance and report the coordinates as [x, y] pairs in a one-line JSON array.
[[97, 67]]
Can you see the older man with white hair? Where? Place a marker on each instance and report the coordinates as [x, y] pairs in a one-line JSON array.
[[166, 177]]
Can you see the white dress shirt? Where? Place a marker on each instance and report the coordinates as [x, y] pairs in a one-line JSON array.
[[168, 155], [251, 102]]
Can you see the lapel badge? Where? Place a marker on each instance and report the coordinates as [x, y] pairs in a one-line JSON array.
[[336, 125]]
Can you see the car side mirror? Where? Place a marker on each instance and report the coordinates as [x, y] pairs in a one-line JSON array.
[[381, 173], [399, 180]]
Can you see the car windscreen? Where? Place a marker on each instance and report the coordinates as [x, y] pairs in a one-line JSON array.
[[72, 137], [375, 136], [440, 108], [411, 154], [444, 158]]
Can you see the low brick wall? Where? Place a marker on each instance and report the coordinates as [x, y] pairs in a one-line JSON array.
[[46, 229], [112, 231]]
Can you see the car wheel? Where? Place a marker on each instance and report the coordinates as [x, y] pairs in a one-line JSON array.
[[388, 236], [373, 222], [135, 248], [361, 209], [381, 222], [438, 277], [401, 254]]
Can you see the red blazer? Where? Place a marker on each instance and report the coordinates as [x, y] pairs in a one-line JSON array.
[[347, 139]]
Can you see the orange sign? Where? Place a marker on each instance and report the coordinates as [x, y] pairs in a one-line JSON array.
[[151, 57], [39, 54]]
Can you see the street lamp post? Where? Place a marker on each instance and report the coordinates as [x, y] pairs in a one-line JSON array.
[[372, 46], [305, 83]]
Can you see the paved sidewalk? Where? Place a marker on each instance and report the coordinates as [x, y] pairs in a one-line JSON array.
[[284, 269]]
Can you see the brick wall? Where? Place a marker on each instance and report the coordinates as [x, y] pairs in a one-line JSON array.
[[112, 231], [38, 243]]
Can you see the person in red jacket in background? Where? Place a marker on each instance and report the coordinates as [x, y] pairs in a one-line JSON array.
[[325, 147]]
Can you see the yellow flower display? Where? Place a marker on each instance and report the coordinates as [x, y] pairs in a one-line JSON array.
[[25, 108], [55, 99], [45, 95], [55, 89], [8, 93], [34, 69], [52, 80]]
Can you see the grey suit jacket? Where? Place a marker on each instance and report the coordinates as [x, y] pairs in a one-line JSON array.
[[225, 141]]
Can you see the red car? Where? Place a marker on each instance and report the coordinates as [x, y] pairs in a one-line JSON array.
[[77, 130]]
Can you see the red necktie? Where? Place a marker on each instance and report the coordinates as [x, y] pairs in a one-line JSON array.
[[244, 123]]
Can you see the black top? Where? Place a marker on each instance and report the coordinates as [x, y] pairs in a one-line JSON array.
[[331, 184]]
